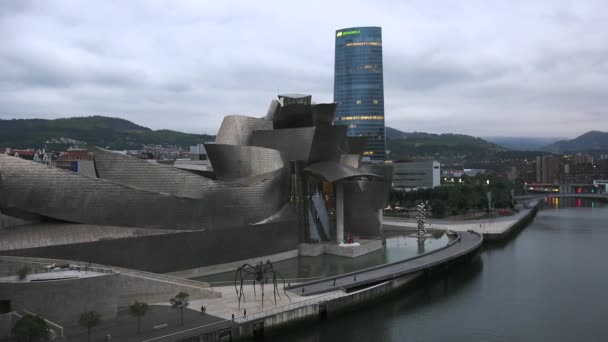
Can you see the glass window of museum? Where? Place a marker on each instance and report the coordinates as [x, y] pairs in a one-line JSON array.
[[359, 88]]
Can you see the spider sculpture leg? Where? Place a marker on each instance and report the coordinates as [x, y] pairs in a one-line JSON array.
[[241, 273]]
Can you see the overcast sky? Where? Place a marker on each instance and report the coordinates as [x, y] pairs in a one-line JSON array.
[[485, 68]]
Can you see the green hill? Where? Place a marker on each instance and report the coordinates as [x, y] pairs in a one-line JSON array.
[[418, 144], [113, 133], [588, 142]]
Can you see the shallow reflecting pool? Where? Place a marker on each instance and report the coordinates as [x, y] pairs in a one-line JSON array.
[[399, 246]]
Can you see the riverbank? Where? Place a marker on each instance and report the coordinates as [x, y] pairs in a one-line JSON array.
[[492, 230], [323, 298]]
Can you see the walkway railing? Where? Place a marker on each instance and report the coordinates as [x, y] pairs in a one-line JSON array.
[[257, 315], [291, 306]]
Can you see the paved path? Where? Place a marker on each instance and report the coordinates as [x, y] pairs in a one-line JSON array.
[[467, 243], [124, 327], [486, 227]]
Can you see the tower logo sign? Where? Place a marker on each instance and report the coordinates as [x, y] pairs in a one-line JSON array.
[[346, 33]]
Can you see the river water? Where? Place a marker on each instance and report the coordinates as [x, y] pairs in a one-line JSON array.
[[548, 283]]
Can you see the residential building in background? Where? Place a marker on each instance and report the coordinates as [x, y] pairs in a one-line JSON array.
[[547, 169], [416, 174], [359, 87]]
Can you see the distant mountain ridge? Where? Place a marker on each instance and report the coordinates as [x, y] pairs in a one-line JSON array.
[[587, 142], [523, 143], [403, 144], [113, 133], [121, 134]]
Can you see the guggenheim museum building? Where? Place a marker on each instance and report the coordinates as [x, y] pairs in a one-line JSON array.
[[286, 178]]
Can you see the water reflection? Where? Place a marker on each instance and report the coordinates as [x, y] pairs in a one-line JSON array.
[[547, 284], [399, 246]]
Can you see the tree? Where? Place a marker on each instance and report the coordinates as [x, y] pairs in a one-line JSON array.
[[23, 272], [180, 301], [138, 309], [438, 209], [30, 328], [89, 320]]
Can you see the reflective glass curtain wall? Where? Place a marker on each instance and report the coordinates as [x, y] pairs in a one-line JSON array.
[[359, 87]]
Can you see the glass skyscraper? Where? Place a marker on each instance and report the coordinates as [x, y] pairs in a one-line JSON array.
[[359, 87]]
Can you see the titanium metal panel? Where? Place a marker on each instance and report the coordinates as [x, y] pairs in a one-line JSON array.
[[293, 143], [273, 110], [362, 202], [323, 113], [332, 171], [327, 142], [293, 116], [350, 160], [385, 171], [67, 196], [237, 129], [141, 174], [233, 162]]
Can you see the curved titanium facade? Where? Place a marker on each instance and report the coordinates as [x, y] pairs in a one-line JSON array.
[[141, 174], [237, 129], [275, 187], [293, 143], [232, 162], [359, 87], [70, 197]]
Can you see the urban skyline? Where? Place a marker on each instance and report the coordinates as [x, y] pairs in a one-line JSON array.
[[513, 70]]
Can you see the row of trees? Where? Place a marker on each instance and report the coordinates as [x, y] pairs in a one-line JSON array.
[[458, 198], [31, 328]]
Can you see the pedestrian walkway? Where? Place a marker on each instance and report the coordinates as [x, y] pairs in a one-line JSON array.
[[495, 226], [467, 242]]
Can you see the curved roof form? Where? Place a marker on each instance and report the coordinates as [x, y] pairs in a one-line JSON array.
[[233, 162], [237, 129], [351, 160], [333, 171]]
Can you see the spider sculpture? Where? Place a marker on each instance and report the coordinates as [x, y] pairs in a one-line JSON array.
[[260, 273]]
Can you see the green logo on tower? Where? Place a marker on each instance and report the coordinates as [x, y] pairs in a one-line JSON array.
[[346, 33]]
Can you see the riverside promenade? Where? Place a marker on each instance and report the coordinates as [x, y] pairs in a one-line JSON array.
[[494, 229], [464, 243], [319, 299]]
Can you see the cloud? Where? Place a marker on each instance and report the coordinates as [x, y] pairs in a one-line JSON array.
[[497, 68]]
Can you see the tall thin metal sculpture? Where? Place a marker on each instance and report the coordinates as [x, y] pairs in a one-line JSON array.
[[421, 217], [260, 273]]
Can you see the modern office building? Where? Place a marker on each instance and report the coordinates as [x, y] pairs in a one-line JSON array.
[[409, 175], [359, 87]]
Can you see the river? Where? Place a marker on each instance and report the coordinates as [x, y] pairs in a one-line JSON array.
[[548, 283]]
